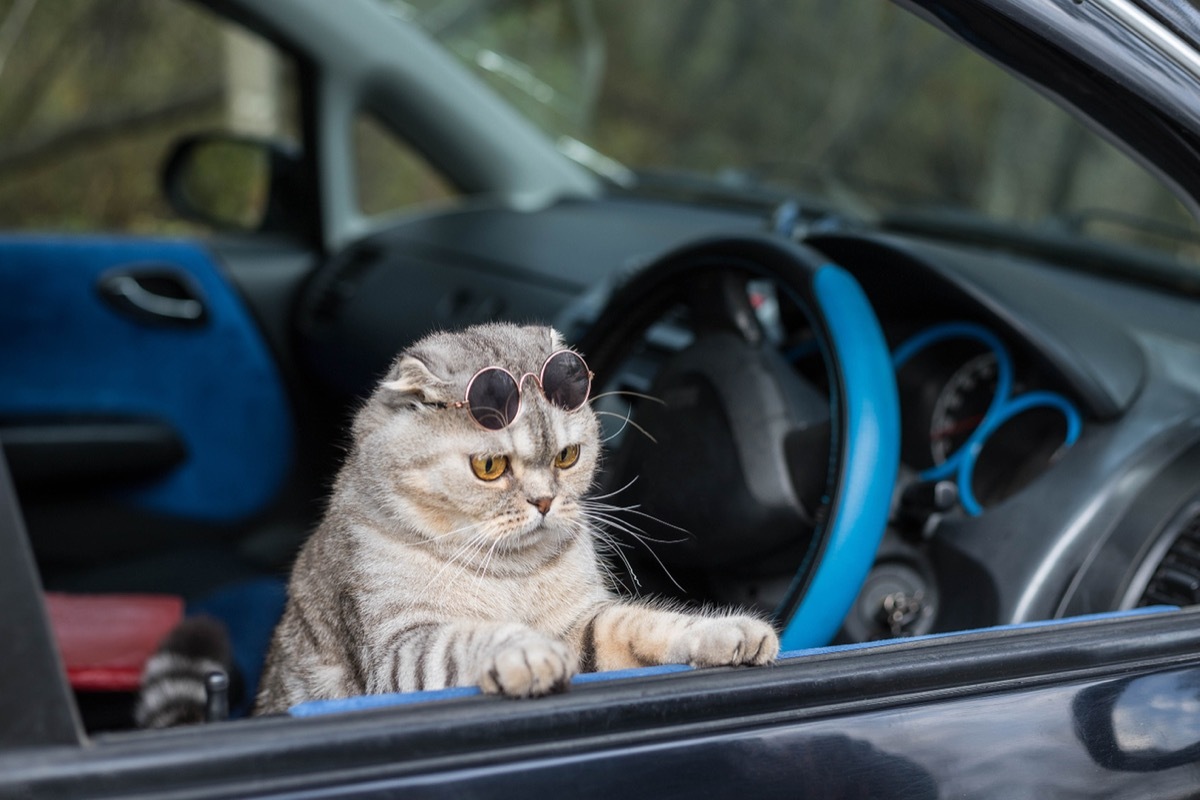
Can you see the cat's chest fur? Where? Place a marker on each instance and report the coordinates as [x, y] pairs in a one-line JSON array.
[[546, 591]]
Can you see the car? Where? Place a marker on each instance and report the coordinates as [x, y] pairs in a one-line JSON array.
[[903, 296]]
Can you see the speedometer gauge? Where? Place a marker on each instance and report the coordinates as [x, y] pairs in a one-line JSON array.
[[961, 405]]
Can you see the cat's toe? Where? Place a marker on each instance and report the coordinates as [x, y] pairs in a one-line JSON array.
[[531, 668], [761, 642], [732, 641]]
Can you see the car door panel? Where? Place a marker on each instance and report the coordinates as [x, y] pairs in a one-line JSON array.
[[139, 347]]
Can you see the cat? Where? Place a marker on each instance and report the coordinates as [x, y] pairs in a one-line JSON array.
[[174, 687], [458, 549]]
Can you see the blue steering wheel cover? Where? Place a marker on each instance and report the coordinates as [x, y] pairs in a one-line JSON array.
[[871, 434]]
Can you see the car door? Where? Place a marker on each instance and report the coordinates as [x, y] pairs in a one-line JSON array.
[[143, 406]]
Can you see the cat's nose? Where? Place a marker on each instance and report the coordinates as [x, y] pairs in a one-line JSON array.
[[542, 504]]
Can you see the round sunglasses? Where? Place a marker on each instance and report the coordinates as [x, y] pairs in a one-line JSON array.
[[493, 396]]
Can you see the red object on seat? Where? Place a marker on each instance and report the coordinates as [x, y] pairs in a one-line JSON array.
[[104, 640]]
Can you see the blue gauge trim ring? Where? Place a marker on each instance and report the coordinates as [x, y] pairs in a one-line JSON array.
[[1010, 409], [1004, 380]]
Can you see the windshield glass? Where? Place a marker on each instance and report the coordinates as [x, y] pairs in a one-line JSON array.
[[859, 107]]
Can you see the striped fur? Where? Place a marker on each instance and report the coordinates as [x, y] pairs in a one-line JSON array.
[[173, 680], [423, 576]]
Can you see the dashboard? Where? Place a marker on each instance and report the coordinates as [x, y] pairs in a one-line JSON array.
[[1050, 417]]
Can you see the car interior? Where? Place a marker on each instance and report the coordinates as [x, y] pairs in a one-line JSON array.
[[871, 426]]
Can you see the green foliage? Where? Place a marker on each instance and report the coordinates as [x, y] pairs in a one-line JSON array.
[[92, 96], [856, 101], [389, 175]]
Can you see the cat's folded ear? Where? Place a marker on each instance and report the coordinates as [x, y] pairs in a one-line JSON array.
[[410, 382]]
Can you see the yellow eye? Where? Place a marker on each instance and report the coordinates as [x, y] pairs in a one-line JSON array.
[[567, 456], [488, 468]]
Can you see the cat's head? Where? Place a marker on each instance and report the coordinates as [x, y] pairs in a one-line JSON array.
[[433, 468]]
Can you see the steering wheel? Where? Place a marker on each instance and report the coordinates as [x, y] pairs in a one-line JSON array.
[[751, 458]]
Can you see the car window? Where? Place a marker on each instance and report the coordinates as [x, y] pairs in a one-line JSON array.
[[389, 174], [94, 94], [861, 105]]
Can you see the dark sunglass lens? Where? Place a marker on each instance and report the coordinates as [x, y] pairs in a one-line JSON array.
[[566, 381], [493, 399]]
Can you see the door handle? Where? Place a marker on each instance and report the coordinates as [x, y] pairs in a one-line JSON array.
[[158, 295]]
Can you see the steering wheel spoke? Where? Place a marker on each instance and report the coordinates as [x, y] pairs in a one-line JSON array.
[[720, 300]]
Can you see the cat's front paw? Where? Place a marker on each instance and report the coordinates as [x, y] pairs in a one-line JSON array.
[[534, 665], [729, 641]]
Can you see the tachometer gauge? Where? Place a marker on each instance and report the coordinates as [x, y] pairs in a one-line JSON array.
[[961, 405], [950, 377]]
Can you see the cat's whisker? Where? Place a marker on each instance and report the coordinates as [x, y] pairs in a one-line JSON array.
[[478, 544], [422, 593], [615, 521], [638, 536], [629, 421], [628, 393], [637, 533], [626, 418], [634, 510], [632, 481], [617, 432], [481, 572], [661, 565], [578, 526], [475, 542], [610, 511], [614, 546], [633, 532], [614, 542], [447, 534]]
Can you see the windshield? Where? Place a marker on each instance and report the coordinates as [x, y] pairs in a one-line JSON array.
[[856, 107]]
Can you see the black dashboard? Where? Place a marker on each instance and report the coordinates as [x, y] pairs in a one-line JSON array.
[[1050, 417]]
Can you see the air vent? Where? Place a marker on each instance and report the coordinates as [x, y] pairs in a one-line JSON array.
[[1176, 579]]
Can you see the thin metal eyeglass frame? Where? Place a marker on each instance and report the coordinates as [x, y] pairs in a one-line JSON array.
[[539, 378]]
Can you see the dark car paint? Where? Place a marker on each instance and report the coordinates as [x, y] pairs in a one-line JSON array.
[[1026, 712]]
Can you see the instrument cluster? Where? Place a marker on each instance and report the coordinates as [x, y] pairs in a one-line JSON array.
[[970, 415], [973, 414]]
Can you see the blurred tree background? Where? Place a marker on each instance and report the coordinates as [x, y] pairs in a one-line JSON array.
[[857, 102], [94, 93], [861, 102]]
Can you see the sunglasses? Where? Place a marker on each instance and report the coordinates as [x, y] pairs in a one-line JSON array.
[[494, 394]]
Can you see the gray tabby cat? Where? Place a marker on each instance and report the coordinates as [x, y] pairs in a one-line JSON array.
[[173, 690], [460, 552]]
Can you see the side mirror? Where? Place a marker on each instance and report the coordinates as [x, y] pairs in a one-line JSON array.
[[236, 183]]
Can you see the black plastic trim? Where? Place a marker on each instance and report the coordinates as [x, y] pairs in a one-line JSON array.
[[35, 706], [47, 451]]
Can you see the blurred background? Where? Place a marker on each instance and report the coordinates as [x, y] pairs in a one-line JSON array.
[[859, 104]]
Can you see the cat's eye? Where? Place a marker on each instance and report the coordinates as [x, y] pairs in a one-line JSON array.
[[567, 456], [489, 468]]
